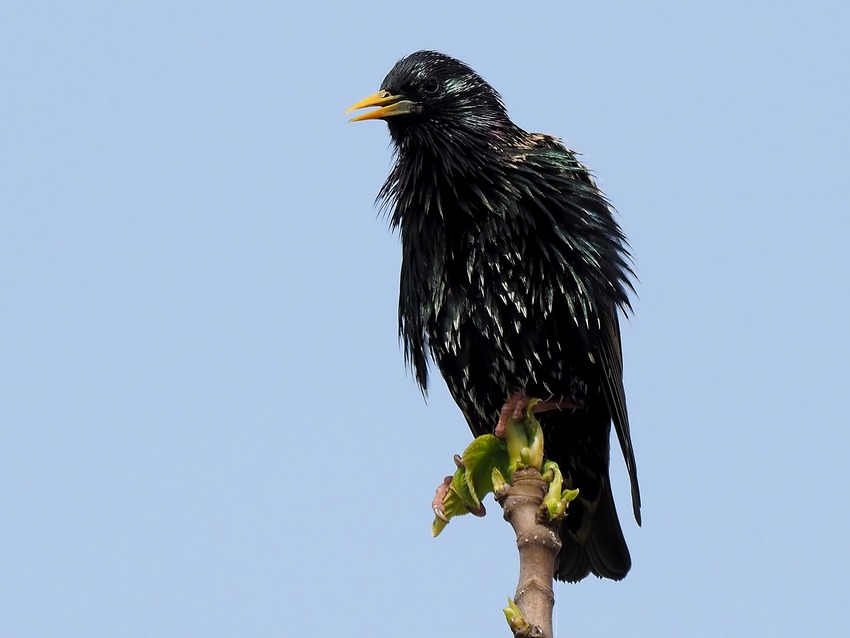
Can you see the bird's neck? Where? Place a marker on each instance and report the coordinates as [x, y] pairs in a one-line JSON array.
[[441, 176]]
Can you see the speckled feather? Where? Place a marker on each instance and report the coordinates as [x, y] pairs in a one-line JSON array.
[[513, 274]]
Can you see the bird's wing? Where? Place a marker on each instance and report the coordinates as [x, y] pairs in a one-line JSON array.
[[610, 352], [609, 348]]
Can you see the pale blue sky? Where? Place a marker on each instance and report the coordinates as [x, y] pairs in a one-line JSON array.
[[202, 399]]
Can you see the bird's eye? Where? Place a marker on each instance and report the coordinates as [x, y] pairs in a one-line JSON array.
[[430, 86]]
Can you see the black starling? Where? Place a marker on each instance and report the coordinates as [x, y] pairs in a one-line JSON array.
[[513, 273]]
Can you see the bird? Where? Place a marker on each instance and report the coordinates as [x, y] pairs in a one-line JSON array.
[[514, 274]]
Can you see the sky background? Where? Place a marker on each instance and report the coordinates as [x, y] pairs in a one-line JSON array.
[[206, 427]]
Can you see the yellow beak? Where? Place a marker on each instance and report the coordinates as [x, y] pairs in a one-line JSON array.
[[389, 104]]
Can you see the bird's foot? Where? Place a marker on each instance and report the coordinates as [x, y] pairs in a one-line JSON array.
[[514, 408], [556, 404], [441, 497], [516, 405]]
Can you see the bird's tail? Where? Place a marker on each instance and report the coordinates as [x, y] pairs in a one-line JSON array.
[[594, 544]]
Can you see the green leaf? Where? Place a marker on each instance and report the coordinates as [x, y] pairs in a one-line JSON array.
[[524, 438], [556, 501], [514, 617], [480, 458], [516, 438], [500, 483], [485, 457]]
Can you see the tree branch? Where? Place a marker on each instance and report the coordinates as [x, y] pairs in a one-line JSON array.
[[538, 544]]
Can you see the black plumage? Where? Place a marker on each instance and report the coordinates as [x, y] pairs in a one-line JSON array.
[[513, 274]]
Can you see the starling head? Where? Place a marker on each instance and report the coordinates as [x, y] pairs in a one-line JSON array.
[[428, 94]]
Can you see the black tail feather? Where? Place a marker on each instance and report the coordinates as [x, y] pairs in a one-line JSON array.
[[598, 546]]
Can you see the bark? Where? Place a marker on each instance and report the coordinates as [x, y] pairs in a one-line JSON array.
[[538, 544]]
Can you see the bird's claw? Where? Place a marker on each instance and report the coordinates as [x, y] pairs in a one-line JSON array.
[[439, 497]]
